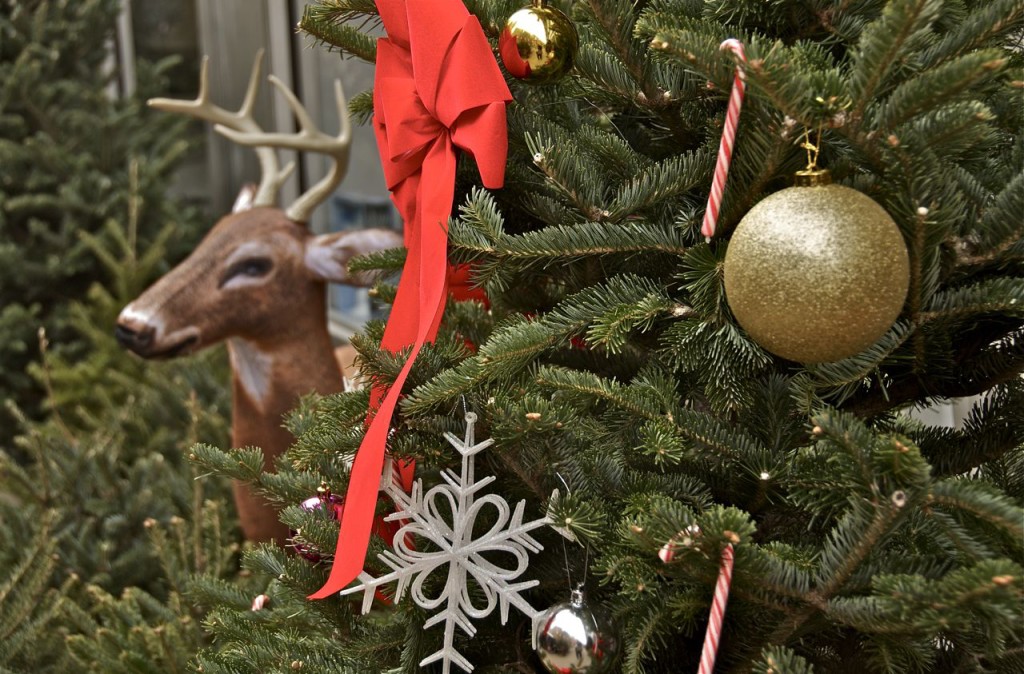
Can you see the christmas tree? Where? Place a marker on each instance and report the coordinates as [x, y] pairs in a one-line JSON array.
[[607, 361]]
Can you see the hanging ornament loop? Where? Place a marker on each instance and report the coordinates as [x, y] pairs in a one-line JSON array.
[[812, 176], [732, 118], [565, 551], [812, 149], [572, 637]]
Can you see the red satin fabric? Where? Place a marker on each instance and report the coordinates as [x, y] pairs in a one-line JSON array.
[[437, 87]]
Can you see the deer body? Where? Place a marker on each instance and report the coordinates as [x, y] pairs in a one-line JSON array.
[[257, 281], [256, 417]]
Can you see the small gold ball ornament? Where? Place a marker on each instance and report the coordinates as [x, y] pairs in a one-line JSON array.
[[817, 272], [538, 43]]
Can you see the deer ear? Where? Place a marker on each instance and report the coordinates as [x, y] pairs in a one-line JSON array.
[[243, 201], [327, 255]]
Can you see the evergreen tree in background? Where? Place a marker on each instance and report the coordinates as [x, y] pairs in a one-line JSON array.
[[102, 521], [69, 150], [865, 540]]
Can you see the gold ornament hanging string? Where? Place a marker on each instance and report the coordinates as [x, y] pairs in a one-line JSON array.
[[812, 176]]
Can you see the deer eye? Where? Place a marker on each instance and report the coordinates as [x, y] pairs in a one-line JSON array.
[[253, 267]]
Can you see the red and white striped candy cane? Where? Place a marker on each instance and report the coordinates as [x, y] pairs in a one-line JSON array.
[[732, 117], [707, 655]]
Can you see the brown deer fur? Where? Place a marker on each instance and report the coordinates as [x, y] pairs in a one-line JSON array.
[[258, 282]]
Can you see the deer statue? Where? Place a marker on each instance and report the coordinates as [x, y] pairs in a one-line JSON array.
[[258, 281]]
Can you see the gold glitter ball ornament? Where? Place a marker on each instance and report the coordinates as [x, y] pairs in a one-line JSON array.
[[538, 44], [816, 273]]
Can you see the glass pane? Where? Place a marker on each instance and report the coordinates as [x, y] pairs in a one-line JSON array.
[[163, 28]]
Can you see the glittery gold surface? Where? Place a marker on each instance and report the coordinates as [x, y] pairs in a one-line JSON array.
[[816, 274]]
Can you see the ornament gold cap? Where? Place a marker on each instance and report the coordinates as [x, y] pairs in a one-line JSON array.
[[812, 177]]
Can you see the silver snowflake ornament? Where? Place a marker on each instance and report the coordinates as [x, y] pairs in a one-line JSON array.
[[453, 548]]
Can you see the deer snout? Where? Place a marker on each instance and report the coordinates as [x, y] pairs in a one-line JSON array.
[[136, 332], [137, 339]]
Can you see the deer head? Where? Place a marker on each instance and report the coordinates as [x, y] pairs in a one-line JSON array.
[[258, 281], [257, 276]]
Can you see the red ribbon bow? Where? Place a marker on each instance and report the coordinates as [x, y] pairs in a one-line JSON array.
[[437, 87]]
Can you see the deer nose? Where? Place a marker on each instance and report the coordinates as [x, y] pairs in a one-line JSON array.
[[135, 340]]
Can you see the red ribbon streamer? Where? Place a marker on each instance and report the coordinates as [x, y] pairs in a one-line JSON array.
[[436, 87]]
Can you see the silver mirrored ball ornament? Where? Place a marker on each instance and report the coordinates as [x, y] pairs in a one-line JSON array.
[[573, 638]]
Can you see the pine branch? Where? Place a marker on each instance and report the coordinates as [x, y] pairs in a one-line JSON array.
[[707, 432], [897, 32], [777, 660], [841, 380], [514, 346], [324, 22], [991, 429], [914, 606], [941, 84], [987, 23], [983, 502], [616, 20], [1001, 229], [845, 551], [561, 243], [244, 464], [987, 341]]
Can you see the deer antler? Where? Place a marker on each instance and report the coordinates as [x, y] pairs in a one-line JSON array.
[[241, 121], [309, 139]]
